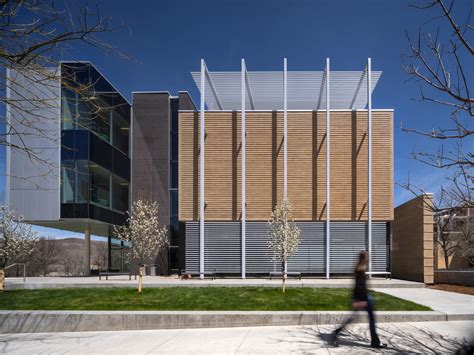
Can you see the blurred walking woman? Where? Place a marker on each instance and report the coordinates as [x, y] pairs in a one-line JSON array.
[[361, 300]]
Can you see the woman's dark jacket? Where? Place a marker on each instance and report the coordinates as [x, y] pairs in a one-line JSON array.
[[360, 290]]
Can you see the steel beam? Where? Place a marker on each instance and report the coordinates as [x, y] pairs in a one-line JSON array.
[[249, 89], [201, 170], [359, 85], [328, 173], [369, 142], [244, 85], [211, 86]]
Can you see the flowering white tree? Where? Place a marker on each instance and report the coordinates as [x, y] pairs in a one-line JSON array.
[[283, 236], [17, 239], [143, 231]]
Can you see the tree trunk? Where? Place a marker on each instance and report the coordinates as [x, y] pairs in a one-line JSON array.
[[140, 275], [283, 277], [2, 279], [446, 260]]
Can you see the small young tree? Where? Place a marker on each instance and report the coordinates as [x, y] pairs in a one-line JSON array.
[[283, 236], [17, 240], [143, 230]]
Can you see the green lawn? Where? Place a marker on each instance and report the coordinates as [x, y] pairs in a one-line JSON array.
[[195, 298]]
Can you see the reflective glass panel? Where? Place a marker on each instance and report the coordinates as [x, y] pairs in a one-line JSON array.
[[120, 132], [67, 181], [82, 177], [100, 185], [119, 194], [68, 109]]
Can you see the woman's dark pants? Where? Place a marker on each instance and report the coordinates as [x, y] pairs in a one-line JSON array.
[[370, 310]]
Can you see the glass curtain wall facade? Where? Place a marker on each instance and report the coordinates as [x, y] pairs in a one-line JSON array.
[[95, 145]]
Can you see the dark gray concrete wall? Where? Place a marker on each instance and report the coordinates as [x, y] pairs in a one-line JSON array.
[[150, 154], [185, 101]]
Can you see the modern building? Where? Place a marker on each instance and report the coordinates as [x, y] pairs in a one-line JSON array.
[[79, 177], [217, 171], [259, 136]]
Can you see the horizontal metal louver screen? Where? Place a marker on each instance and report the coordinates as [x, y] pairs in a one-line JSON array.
[[310, 256], [223, 247], [222, 251], [192, 247], [348, 239], [258, 255], [380, 250]]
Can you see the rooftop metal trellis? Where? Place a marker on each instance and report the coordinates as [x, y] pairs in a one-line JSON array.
[[306, 90]]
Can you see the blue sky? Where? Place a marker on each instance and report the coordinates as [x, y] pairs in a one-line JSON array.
[[167, 39]]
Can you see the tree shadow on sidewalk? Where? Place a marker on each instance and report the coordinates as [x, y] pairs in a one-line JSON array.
[[399, 339]]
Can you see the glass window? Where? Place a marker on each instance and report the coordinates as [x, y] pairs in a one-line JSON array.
[[120, 134], [174, 231], [68, 109], [100, 123], [174, 146], [83, 115], [74, 181], [99, 83], [174, 174], [82, 178], [174, 115], [174, 202], [100, 185], [119, 194], [68, 177], [174, 259]]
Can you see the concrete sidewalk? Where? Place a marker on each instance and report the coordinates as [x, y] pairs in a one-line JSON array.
[[422, 338], [12, 283], [450, 303]]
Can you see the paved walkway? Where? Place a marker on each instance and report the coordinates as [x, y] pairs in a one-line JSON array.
[[441, 301], [424, 338], [157, 281]]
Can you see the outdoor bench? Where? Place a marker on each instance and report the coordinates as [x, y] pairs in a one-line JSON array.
[[211, 274], [112, 273], [280, 274], [387, 274]]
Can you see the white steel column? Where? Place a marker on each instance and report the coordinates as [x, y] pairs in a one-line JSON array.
[[285, 137], [328, 174], [87, 251], [369, 142], [285, 129], [244, 73], [201, 170]]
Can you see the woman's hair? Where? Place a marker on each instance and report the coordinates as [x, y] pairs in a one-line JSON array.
[[363, 258]]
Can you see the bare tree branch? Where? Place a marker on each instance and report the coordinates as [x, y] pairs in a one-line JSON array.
[[37, 36]]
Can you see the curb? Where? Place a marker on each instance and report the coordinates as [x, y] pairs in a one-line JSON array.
[[79, 321], [106, 284]]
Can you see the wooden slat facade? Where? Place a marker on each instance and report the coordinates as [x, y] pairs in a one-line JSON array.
[[306, 165]]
